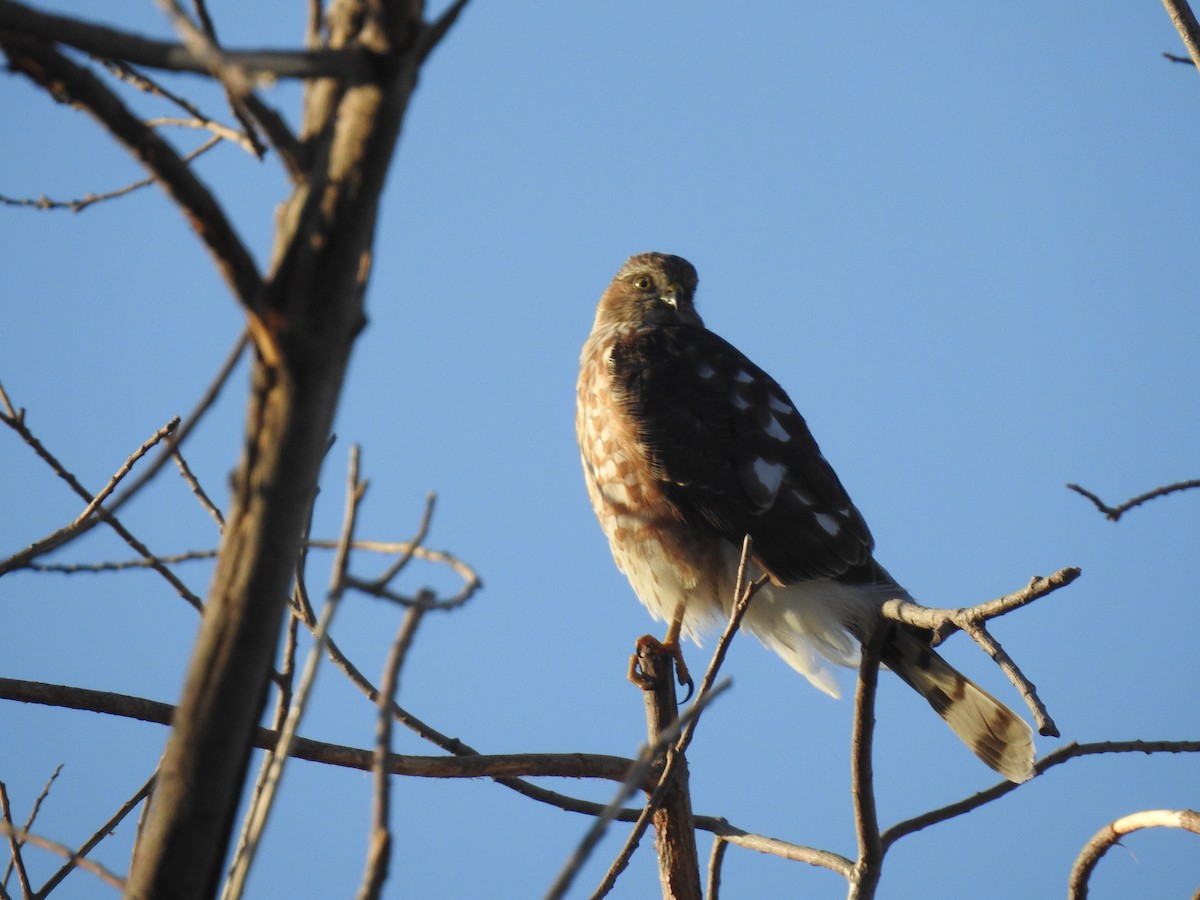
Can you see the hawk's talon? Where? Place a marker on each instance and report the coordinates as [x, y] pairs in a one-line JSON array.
[[648, 643]]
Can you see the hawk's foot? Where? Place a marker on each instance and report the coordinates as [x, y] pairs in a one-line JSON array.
[[648, 643]]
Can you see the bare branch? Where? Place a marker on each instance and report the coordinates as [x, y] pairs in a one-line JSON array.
[[194, 484], [193, 418], [71, 83], [14, 841], [943, 622], [865, 877], [100, 834], [379, 853], [432, 34], [1085, 863], [236, 883], [1185, 23], [1113, 513], [19, 560], [635, 778], [62, 850], [101, 40], [715, 859], [80, 523], [84, 202], [743, 593], [1049, 761], [472, 765]]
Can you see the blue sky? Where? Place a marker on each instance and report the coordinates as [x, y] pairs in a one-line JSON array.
[[961, 236]]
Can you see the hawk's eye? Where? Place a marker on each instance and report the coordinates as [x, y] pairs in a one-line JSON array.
[[643, 282]]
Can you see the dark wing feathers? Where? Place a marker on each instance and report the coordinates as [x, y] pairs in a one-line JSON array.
[[728, 446]]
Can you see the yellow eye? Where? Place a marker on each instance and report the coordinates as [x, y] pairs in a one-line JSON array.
[[643, 282]]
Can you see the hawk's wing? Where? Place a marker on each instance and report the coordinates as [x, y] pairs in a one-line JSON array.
[[729, 446]]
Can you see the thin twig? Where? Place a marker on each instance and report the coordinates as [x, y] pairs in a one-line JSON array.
[[944, 621], [407, 554], [431, 35], [1103, 840], [379, 852], [865, 876], [1114, 513], [207, 399], [89, 199], [715, 860], [62, 850], [1047, 762], [1026, 688], [19, 560], [236, 882], [236, 102], [100, 834], [77, 525], [14, 843], [71, 83], [194, 484], [971, 619], [203, 124]]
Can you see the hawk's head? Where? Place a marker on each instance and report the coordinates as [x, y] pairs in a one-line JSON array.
[[651, 289]]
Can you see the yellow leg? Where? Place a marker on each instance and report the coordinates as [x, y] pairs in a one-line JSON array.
[[670, 645]]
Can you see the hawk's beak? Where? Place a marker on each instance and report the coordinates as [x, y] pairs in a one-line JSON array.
[[671, 295]]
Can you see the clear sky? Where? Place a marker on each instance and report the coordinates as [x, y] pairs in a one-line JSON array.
[[962, 236]]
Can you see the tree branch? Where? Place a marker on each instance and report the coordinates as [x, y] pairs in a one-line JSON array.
[[1113, 513], [1049, 761], [478, 765], [100, 40], [1185, 23], [1103, 840], [71, 83]]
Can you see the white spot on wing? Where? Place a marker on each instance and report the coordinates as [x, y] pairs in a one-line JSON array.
[[739, 401], [706, 371], [829, 523], [762, 480], [775, 430], [744, 377], [779, 404]]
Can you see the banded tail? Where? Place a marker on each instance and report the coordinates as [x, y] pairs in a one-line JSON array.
[[995, 734]]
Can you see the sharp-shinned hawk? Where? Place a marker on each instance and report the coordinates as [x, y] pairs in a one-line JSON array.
[[687, 447]]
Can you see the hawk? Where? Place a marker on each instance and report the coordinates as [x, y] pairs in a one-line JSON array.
[[687, 447]]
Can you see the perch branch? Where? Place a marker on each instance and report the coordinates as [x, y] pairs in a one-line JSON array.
[[743, 593], [943, 622]]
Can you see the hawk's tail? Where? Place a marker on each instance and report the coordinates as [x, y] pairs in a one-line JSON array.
[[996, 734]]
